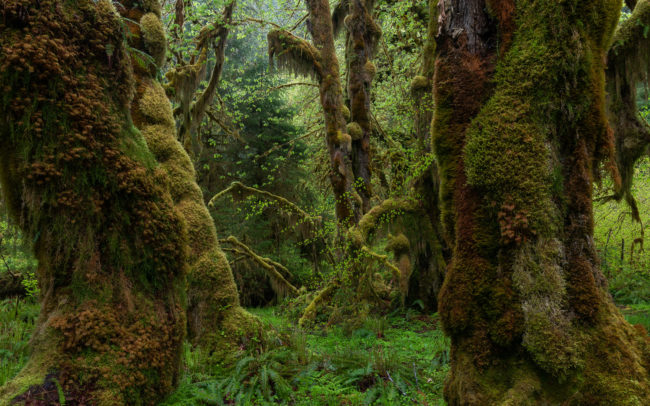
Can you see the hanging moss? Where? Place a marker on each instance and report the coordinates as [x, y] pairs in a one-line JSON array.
[[293, 54], [355, 131]]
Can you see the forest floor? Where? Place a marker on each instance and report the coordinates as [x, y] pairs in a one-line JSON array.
[[400, 359]]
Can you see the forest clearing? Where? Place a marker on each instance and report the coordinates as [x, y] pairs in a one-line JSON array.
[[315, 202]]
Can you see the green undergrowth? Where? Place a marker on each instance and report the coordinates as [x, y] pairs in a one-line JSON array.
[[638, 314], [17, 318], [396, 360]]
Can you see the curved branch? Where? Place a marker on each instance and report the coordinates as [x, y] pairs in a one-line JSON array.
[[280, 285], [370, 221], [240, 191]]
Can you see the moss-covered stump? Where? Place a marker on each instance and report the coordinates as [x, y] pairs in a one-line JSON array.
[[85, 189], [216, 321], [520, 131]]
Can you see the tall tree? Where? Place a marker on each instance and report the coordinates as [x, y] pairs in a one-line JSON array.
[[519, 131], [83, 186], [319, 60], [362, 36], [187, 76]]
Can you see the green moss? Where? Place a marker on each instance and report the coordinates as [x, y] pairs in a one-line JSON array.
[[355, 131], [89, 194], [420, 83], [398, 244], [154, 37]]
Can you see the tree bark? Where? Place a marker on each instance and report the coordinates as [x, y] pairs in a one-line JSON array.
[[519, 131], [83, 186], [363, 35], [216, 321]]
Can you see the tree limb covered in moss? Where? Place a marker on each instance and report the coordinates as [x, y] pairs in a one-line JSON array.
[[239, 190], [243, 255], [293, 54], [389, 207], [280, 285], [312, 310], [628, 66], [383, 259]]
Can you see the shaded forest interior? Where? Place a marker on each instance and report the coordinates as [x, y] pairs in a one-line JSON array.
[[313, 202]]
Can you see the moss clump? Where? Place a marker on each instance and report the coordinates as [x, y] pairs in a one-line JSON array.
[[398, 244], [346, 112], [370, 70], [420, 83], [153, 35], [355, 131]]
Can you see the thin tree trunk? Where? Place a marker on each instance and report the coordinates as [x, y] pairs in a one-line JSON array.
[[339, 142], [519, 131]]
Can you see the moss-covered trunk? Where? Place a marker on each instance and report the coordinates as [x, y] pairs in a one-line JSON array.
[[363, 35], [431, 251], [216, 321], [519, 131], [339, 142], [82, 184]]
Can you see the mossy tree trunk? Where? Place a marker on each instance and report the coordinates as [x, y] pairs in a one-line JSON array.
[[431, 251], [519, 131], [362, 38], [319, 60], [216, 321], [82, 184]]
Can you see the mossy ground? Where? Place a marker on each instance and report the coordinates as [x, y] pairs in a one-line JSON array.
[[322, 367]]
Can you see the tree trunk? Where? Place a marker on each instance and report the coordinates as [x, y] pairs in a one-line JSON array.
[[83, 186], [216, 321], [339, 142], [363, 34], [519, 130], [431, 253]]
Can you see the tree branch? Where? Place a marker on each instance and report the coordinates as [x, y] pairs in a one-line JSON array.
[[293, 54], [280, 285]]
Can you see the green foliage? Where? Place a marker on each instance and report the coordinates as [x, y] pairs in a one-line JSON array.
[[398, 360], [17, 319], [620, 240]]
